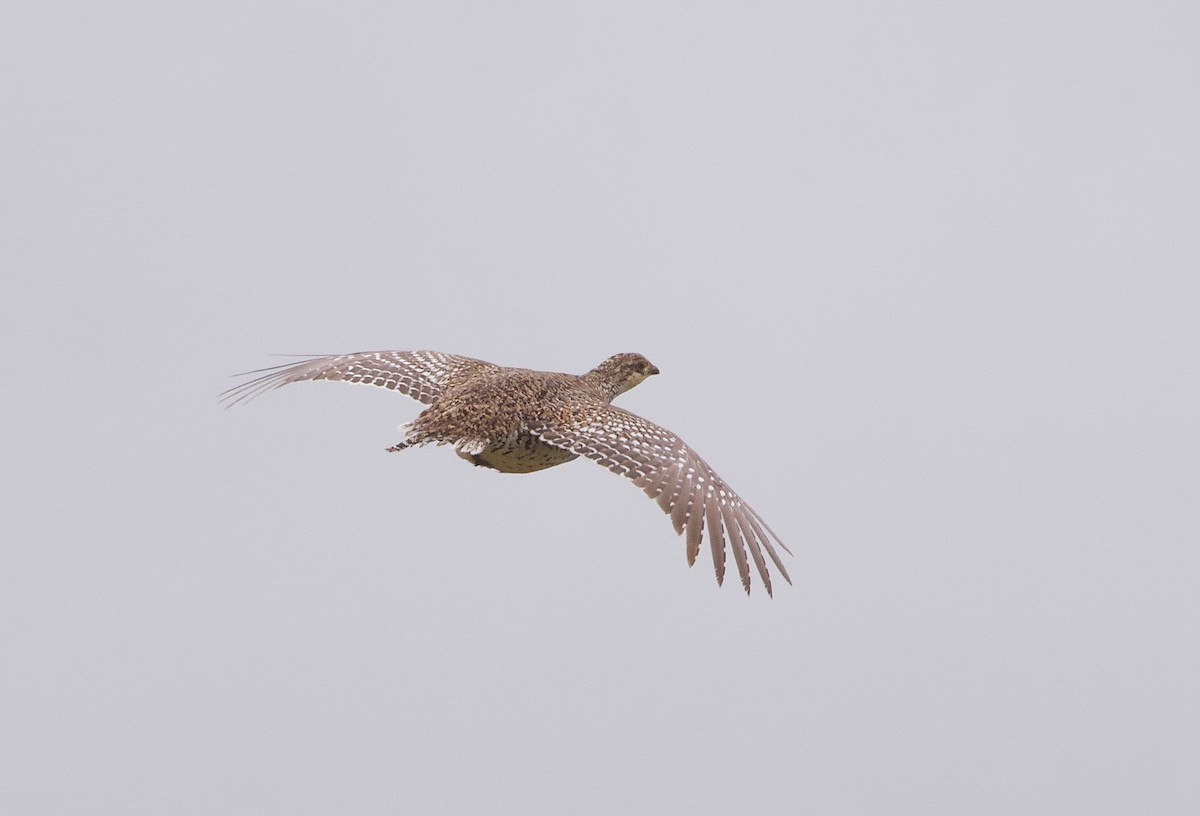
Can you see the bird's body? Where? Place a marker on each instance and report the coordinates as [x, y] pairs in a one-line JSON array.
[[486, 413], [517, 420]]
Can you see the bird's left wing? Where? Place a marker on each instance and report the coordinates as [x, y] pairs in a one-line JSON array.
[[686, 488], [419, 374]]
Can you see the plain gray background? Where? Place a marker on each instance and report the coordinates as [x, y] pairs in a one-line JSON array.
[[922, 282]]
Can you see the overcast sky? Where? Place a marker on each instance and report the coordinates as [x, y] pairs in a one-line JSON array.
[[922, 281]]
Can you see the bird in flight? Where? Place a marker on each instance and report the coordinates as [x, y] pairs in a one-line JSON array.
[[516, 420]]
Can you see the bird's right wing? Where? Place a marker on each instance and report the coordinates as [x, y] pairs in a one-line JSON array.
[[686, 488], [419, 374]]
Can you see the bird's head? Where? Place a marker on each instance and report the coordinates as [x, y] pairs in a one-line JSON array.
[[619, 373]]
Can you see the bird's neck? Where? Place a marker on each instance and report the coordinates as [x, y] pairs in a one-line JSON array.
[[609, 383]]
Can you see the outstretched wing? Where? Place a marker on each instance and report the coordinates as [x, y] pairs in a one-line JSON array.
[[419, 374], [686, 488]]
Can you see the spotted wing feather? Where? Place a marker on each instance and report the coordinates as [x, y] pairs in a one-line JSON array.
[[419, 374], [686, 488]]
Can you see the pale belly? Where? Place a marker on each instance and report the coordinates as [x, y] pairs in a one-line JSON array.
[[522, 455]]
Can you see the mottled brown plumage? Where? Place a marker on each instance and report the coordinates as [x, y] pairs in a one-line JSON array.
[[516, 420]]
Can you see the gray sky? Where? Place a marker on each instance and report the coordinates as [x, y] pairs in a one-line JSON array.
[[921, 280]]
